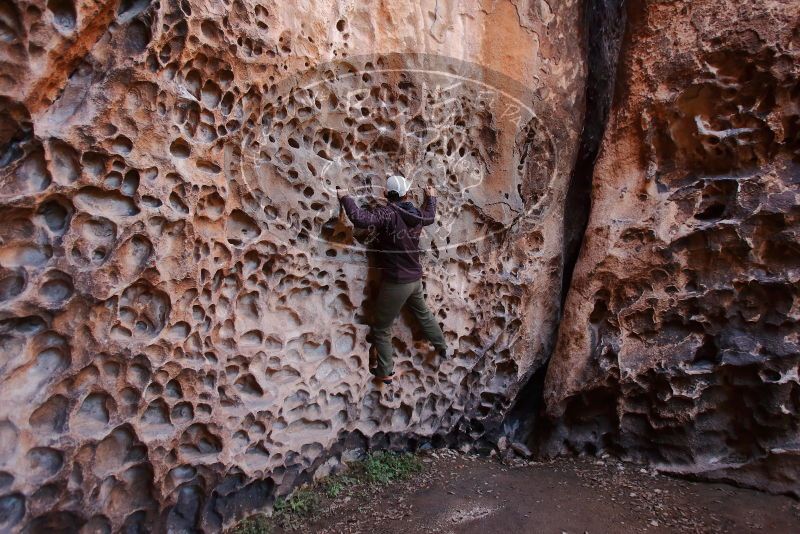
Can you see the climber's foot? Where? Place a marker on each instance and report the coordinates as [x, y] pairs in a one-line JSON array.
[[385, 379]]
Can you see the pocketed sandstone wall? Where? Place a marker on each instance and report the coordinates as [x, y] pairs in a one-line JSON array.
[[679, 343], [182, 316]]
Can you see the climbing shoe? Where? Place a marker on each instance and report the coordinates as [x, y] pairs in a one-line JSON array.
[[385, 379]]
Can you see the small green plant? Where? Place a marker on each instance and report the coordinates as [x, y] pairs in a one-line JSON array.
[[333, 489], [384, 467], [290, 513], [303, 502], [335, 485], [257, 524]]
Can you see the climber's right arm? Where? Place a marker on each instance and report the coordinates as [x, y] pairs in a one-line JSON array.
[[429, 206], [363, 218]]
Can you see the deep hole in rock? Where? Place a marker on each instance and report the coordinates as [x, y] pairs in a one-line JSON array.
[[122, 145], [12, 509], [11, 285], [10, 24], [137, 36], [63, 13], [56, 213], [180, 148]]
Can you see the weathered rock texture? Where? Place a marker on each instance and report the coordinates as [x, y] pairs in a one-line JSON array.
[[183, 317], [680, 343], [182, 322]]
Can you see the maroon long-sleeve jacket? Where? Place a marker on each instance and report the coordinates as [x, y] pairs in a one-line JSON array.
[[398, 226]]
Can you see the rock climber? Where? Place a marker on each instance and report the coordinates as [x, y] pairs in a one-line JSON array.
[[398, 225]]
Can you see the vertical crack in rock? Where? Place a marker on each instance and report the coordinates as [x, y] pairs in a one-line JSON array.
[[604, 23], [604, 27]]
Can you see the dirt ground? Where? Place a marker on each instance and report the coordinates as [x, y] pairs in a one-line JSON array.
[[465, 494]]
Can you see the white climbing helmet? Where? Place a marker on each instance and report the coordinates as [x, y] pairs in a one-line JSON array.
[[399, 184]]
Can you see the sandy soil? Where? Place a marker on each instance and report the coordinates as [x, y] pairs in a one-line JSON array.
[[466, 494]]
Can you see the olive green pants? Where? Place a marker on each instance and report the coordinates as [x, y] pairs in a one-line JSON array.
[[390, 301]]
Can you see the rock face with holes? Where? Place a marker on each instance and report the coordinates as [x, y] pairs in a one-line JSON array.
[[183, 317], [680, 343]]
